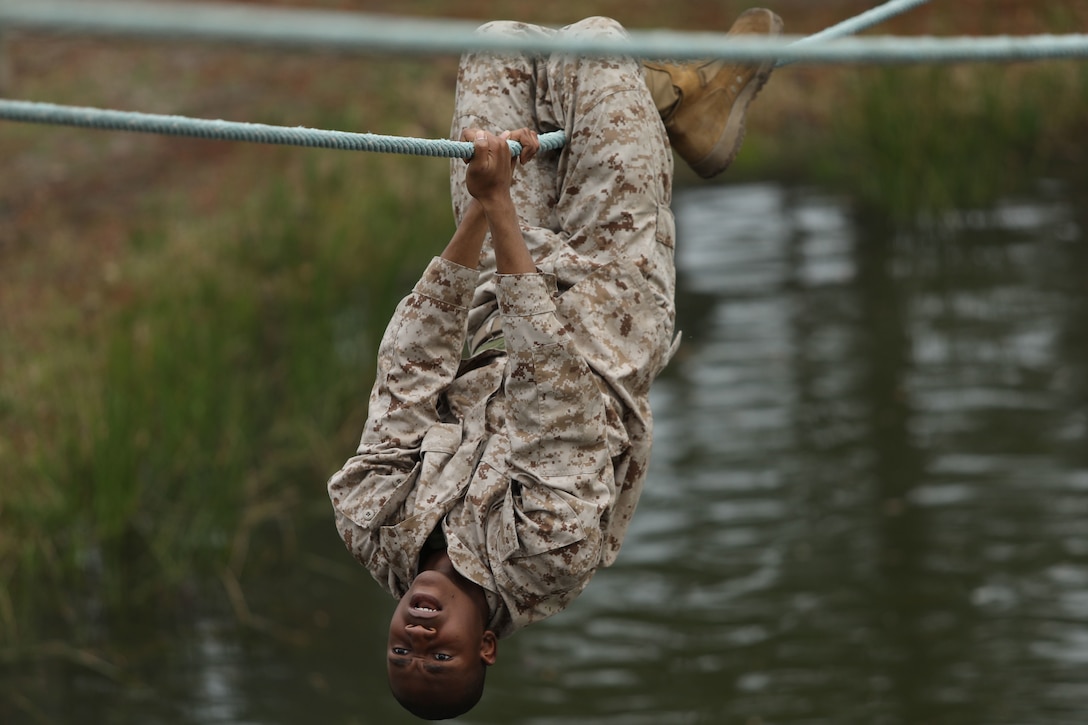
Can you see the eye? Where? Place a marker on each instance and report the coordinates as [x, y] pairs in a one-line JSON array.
[[442, 657], [401, 651]]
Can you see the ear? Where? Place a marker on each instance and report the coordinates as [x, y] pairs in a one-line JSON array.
[[489, 648]]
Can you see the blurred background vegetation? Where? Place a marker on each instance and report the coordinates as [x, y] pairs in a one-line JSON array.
[[187, 328]]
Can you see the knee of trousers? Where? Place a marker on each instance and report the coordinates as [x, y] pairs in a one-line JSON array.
[[597, 26], [503, 27]]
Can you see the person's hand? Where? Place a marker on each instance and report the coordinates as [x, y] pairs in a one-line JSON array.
[[491, 168], [530, 143]]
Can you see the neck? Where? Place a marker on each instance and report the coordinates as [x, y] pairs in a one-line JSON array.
[[438, 560]]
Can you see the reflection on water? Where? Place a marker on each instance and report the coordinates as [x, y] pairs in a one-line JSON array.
[[868, 503]]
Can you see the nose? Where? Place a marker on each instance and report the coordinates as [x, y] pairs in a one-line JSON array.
[[419, 632]]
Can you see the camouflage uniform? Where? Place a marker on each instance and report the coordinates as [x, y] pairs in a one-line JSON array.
[[510, 413]]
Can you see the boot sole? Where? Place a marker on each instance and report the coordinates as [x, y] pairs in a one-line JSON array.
[[729, 143]]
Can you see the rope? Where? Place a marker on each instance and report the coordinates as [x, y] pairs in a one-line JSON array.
[[48, 113], [356, 32], [856, 24], [867, 19], [353, 31]]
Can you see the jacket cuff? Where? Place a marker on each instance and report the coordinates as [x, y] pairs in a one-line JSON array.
[[448, 282], [524, 295], [528, 311]]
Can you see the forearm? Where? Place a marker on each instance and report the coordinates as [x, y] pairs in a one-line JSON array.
[[490, 173], [556, 424], [557, 418], [511, 254], [418, 356], [467, 242]]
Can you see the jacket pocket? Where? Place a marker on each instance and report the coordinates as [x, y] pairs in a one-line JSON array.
[[435, 484], [535, 520], [548, 542]]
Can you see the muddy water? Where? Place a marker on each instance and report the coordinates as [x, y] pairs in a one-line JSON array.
[[869, 501], [868, 504]]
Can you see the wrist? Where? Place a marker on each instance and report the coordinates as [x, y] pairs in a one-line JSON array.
[[498, 202], [473, 211]]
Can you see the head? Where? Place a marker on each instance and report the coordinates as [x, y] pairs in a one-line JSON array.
[[439, 646]]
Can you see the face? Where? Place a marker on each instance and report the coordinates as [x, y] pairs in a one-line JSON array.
[[437, 635]]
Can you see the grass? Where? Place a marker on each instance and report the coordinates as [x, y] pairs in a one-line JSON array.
[[226, 386], [932, 139]]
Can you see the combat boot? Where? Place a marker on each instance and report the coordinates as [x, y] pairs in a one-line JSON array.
[[703, 103]]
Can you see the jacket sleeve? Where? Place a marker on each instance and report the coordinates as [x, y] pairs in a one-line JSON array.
[[417, 359], [557, 424]]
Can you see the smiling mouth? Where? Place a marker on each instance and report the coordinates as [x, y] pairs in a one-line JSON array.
[[424, 605]]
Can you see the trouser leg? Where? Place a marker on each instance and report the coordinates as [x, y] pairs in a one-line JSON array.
[[605, 196], [499, 92], [615, 175]]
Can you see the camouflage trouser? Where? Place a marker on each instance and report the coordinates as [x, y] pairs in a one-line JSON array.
[[604, 196]]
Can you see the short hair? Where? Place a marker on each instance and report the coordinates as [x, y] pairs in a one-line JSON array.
[[448, 704]]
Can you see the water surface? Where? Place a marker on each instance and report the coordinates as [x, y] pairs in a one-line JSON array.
[[868, 504]]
